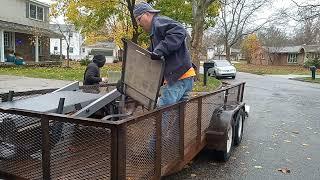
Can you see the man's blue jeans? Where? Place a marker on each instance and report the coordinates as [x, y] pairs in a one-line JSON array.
[[176, 92], [171, 94]]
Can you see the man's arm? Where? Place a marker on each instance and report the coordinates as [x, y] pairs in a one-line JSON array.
[[174, 34]]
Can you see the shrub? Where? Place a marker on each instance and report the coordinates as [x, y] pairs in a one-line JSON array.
[[56, 56], [312, 62], [85, 61]]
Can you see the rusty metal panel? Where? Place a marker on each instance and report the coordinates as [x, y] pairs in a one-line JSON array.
[[83, 152], [190, 122], [21, 139], [170, 135], [142, 76], [209, 104], [233, 95], [140, 150]]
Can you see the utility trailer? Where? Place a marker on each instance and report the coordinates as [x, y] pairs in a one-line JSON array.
[[119, 133]]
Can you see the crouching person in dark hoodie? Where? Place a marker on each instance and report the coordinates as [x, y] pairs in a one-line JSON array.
[[92, 73]]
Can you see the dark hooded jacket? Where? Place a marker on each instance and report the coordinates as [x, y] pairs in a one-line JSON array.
[[168, 40], [92, 72]]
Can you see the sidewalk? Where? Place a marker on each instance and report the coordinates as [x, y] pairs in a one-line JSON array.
[[18, 83]]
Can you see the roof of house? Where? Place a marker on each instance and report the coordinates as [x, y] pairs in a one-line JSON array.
[[293, 49], [63, 27], [107, 44], [28, 29], [39, 2]]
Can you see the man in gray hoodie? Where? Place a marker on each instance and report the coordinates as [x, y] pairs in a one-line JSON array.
[[92, 72]]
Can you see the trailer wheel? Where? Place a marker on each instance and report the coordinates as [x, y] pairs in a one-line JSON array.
[[225, 154], [239, 127]]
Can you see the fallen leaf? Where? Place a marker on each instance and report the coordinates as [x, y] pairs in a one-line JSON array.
[[287, 141], [295, 132], [193, 175], [258, 167], [284, 170]]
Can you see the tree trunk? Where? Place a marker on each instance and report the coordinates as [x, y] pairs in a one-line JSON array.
[[227, 49], [68, 47], [198, 13]]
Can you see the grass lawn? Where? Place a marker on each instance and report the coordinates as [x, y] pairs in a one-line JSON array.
[[75, 73], [281, 70], [212, 84], [309, 79]]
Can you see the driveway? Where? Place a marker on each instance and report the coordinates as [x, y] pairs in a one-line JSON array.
[[283, 131], [17, 83]]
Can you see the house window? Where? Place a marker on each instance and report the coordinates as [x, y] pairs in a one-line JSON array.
[[55, 48], [70, 49], [70, 34], [292, 58], [36, 12], [6, 39]]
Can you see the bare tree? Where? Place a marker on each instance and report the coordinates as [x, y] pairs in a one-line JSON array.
[[307, 17], [238, 18], [273, 37]]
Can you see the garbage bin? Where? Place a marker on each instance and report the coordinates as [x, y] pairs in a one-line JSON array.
[[313, 71], [206, 67]]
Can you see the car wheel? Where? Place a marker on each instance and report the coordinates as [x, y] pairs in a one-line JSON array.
[[233, 77], [225, 154], [239, 127]]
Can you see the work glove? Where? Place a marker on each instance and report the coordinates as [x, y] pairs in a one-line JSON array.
[[155, 56]]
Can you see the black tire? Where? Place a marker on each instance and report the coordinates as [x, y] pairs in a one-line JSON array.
[[233, 77], [239, 127], [225, 154]]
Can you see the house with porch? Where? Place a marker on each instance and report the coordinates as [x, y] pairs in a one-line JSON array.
[[291, 55], [24, 28]]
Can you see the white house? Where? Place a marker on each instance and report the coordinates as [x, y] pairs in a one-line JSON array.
[[74, 38], [24, 28], [108, 49], [218, 52]]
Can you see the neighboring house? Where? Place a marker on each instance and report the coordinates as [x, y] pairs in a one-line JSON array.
[[291, 55], [218, 52], [109, 49], [74, 38], [24, 27]]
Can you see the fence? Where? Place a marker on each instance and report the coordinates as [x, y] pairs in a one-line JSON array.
[[144, 146]]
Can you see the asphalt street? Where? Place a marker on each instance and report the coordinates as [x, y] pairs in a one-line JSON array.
[[281, 133]]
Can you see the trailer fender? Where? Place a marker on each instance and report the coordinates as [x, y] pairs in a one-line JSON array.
[[222, 118]]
